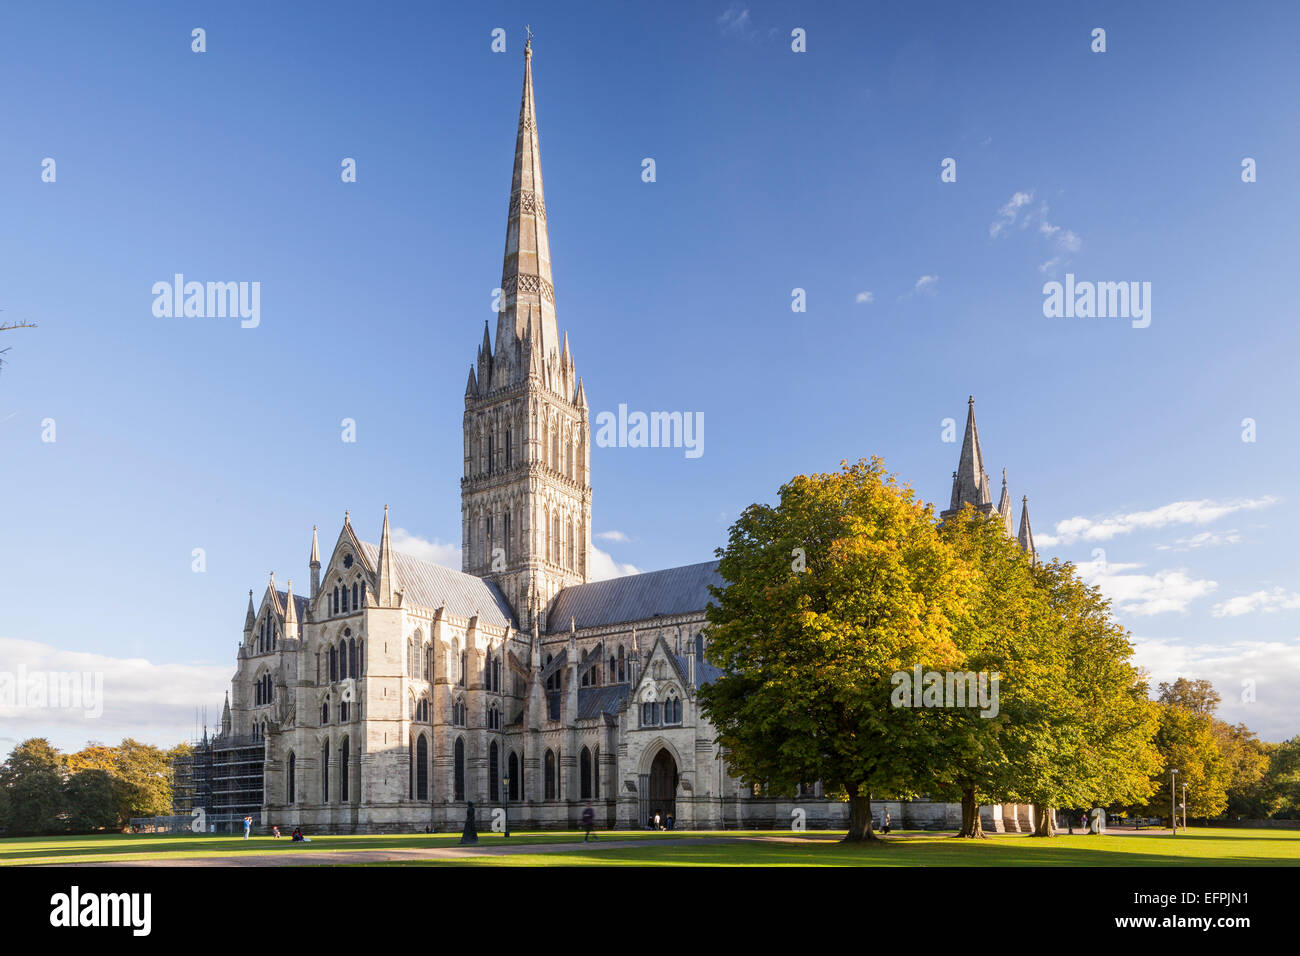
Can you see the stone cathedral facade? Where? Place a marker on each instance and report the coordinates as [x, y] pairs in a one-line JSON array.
[[392, 691]]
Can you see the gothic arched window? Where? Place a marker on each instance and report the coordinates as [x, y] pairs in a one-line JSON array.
[[422, 768], [289, 784], [460, 769], [494, 773], [512, 766], [343, 771], [584, 773], [550, 775], [325, 772]]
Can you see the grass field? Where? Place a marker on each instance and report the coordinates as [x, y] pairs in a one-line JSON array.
[[1205, 847]]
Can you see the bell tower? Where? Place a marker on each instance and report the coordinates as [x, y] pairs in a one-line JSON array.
[[526, 488]]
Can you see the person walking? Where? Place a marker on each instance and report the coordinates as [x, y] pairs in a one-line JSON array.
[[589, 821]]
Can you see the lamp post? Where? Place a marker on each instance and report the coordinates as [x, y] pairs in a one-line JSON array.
[[505, 802], [1184, 804], [1173, 797]]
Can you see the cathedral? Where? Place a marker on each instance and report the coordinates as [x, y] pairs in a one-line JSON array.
[[393, 692]]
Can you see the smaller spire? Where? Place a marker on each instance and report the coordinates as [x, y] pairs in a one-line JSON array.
[[315, 549], [580, 397], [385, 584], [290, 613], [1026, 532], [1004, 505]]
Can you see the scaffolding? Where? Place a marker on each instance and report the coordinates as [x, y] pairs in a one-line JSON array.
[[220, 775]]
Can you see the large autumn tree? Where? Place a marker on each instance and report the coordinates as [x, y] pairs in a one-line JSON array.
[[829, 593], [1094, 744], [1002, 635]]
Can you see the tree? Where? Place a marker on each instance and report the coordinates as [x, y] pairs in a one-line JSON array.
[[88, 796], [842, 584], [1092, 744], [1001, 634], [1188, 743], [8, 326], [33, 783], [141, 776], [1197, 696]]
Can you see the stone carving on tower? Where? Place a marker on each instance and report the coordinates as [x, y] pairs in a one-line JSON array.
[[526, 489]]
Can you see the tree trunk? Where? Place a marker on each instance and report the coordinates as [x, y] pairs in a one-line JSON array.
[[971, 826], [1044, 821], [859, 818]]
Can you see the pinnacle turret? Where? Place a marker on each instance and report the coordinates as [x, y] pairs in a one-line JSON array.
[[1026, 532]]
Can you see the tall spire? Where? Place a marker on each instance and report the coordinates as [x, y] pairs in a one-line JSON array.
[[526, 272], [1004, 505], [1026, 532], [385, 584], [249, 618], [970, 484]]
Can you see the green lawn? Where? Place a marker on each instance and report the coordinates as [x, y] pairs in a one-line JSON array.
[[1196, 847], [1191, 848], [102, 849]]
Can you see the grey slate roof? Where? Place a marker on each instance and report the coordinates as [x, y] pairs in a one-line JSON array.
[[433, 586], [299, 603], [594, 701], [636, 597]]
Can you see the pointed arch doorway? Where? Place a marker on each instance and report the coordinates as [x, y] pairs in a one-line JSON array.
[[663, 787]]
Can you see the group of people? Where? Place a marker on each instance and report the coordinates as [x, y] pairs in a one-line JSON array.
[[660, 821], [296, 836]]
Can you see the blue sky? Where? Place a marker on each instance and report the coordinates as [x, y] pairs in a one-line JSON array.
[[775, 170]]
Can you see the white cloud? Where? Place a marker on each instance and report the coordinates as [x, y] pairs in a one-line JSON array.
[[1009, 212], [1267, 671], [865, 297], [448, 555], [614, 536], [1206, 539], [1015, 212], [735, 20], [602, 566], [1142, 595], [1278, 599], [926, 284], [153, 703], [1204, 511]]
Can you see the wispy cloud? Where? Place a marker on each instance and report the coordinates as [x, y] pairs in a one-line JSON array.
[[865, 297], [1206, 539], [735, 21], [613, 536], [1142, 595], [1178, 512], [1019, 212], [926, 285], [1278, 599], [448, 555], [1009, 213]]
